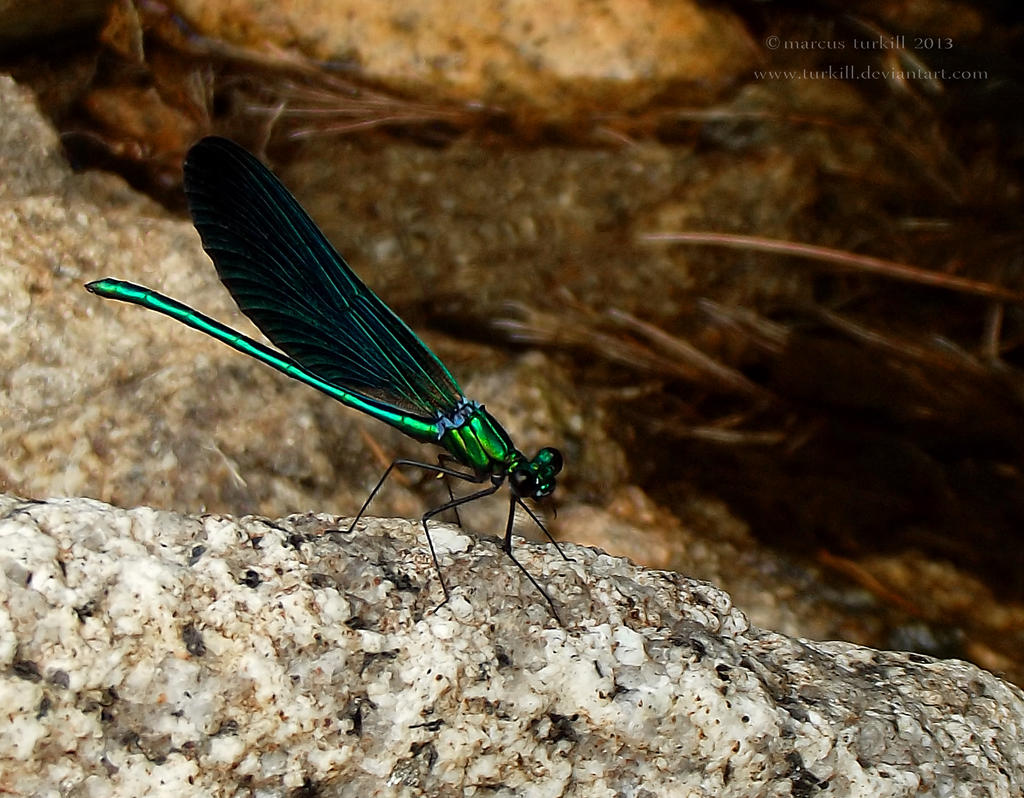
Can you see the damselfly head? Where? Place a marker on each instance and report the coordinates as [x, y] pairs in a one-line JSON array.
[[535, 478]]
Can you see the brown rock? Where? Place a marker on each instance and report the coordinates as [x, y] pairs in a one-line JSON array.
[[559, 59]]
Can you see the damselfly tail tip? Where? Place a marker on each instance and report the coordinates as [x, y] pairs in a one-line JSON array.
[[100, 287]]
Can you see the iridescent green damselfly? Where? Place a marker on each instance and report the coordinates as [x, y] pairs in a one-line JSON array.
[[334, 334]]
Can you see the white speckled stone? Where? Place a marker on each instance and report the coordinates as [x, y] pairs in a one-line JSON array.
[[147, 653]]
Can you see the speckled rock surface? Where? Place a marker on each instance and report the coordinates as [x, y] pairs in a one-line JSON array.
[[145, 652]]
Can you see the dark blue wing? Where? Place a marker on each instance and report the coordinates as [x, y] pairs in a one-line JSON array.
[[285, 276]]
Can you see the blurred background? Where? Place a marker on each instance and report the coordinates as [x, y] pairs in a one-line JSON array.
[[755, 268]]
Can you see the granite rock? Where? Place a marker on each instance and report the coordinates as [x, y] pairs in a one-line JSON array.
[[146, 652]]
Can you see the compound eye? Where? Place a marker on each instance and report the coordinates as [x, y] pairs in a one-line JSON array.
[[523, 482], [544, 490], [550, 458]]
